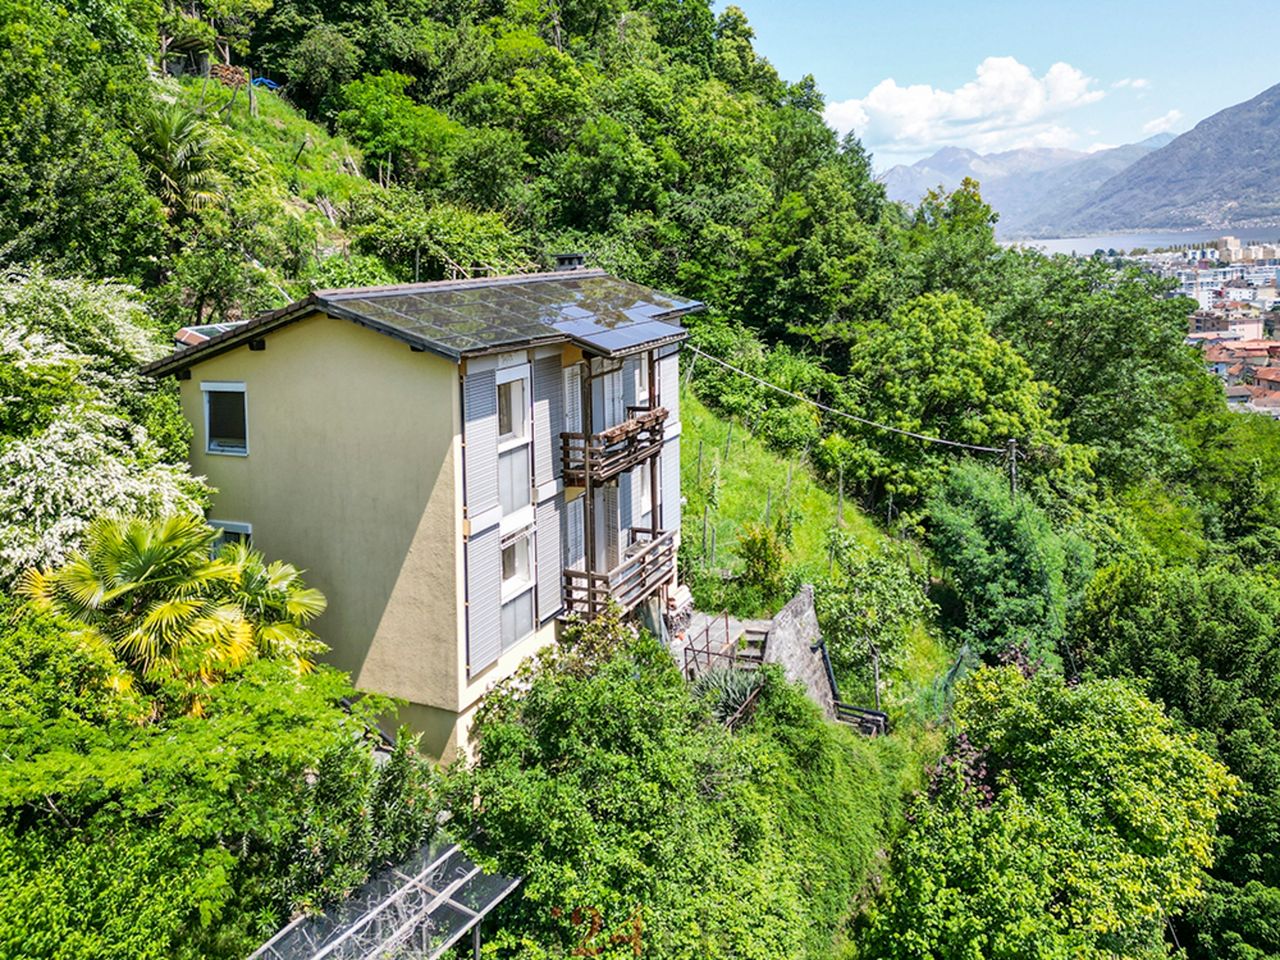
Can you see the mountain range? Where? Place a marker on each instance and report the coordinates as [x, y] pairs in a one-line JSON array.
[[1224, 172]]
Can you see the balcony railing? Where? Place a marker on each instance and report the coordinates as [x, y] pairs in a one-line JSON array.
[[604, 455], [651, 562]]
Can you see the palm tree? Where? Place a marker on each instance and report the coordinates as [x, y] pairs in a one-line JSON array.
[[277, 605], [153, 593], [175, 150]]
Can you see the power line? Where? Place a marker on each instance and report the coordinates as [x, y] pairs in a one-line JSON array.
[[850, 416]]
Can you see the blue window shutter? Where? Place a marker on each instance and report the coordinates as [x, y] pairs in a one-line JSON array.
[[484, 599], [480, 434], [546, 527], [548, 415], [670, 479]]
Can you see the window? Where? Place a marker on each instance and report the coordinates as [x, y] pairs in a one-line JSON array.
[[515, 562], [514, 482], [226, 420], [642, 378], [645, 507], [517, 619], [515, 476], [230, 531], [517, 588], [511, 410]]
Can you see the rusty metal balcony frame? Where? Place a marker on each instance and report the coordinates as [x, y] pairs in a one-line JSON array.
[[630, 583], [606, 454]]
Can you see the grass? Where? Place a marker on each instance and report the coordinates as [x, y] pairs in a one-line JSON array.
[[753, 475], [323, 166], [744, 477]]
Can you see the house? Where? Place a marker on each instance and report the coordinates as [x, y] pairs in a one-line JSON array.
[[458, 465]]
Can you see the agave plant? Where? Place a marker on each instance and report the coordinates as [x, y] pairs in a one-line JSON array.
[[727, 689]]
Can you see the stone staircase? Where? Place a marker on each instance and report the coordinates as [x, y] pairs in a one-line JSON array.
[[791, 639]]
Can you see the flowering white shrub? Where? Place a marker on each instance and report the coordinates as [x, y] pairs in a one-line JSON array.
[[73, 348], [84, 464]]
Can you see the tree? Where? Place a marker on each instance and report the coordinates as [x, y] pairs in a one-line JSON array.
[[601, 780], [1016, 577], [88, 434], [1112, 347], [184, 837], [934, 369], [180, 618], [71, 192], [174, 149], [1206, 642], [1065, 822]]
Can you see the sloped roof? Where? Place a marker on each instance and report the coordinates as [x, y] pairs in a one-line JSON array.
[[604, 315]]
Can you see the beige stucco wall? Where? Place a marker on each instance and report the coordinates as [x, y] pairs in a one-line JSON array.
[[353, 470], [354, 473]]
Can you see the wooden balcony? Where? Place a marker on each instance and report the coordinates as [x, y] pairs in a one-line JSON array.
[[650, 565], [602, 456]]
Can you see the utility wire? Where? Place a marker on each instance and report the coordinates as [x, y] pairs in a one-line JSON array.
[[842, 413]]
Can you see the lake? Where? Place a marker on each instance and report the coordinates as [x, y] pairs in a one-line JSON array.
[[1149, 239]]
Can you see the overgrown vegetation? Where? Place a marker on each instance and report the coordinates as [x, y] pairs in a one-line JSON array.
[[611, 786], [178, 794]]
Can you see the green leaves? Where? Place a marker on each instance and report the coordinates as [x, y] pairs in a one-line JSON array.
[[175, 614], [1102, 824]]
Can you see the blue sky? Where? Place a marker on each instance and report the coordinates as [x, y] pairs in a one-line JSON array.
[[915, 75]]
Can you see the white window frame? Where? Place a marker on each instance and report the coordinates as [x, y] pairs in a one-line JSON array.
[[642, 380], [517, 588], [230, 526], [523, 516], [517, 585], [224, 386]]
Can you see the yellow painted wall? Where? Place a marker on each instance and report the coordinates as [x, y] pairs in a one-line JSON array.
[[353, 472]]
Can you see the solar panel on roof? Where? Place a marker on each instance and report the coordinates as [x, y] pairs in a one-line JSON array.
[[601, 313]]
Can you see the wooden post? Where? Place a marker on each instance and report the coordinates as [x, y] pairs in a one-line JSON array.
[[875, 667], [699, 462], [840, 498], [1013, 467], [728, 438], [705, 508]]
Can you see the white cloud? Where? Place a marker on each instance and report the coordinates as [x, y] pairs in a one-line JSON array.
[[1136, 83], [1162, 124], [1004, 107], [1095, 147]]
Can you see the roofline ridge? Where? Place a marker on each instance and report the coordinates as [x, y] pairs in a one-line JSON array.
[[461, 283]]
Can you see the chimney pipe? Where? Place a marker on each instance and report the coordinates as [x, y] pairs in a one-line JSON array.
[[570, 261]]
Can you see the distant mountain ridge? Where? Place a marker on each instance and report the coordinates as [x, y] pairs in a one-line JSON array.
[[1033, 189], [1224, 171]]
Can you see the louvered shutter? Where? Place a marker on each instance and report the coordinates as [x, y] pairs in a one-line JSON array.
[[625, 518], [480, 434], [670, 474], [610, 524], [573, 399], [484, 599], [546, 527], [575, 552], [669, 377], [609, 401], [548, 414], [630, 383]]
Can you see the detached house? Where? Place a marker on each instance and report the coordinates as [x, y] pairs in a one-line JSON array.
[[457, 465]]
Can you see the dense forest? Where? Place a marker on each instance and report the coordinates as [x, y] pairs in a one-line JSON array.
[[1083, 672]]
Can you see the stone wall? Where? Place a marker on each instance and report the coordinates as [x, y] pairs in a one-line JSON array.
[[794, 642]]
